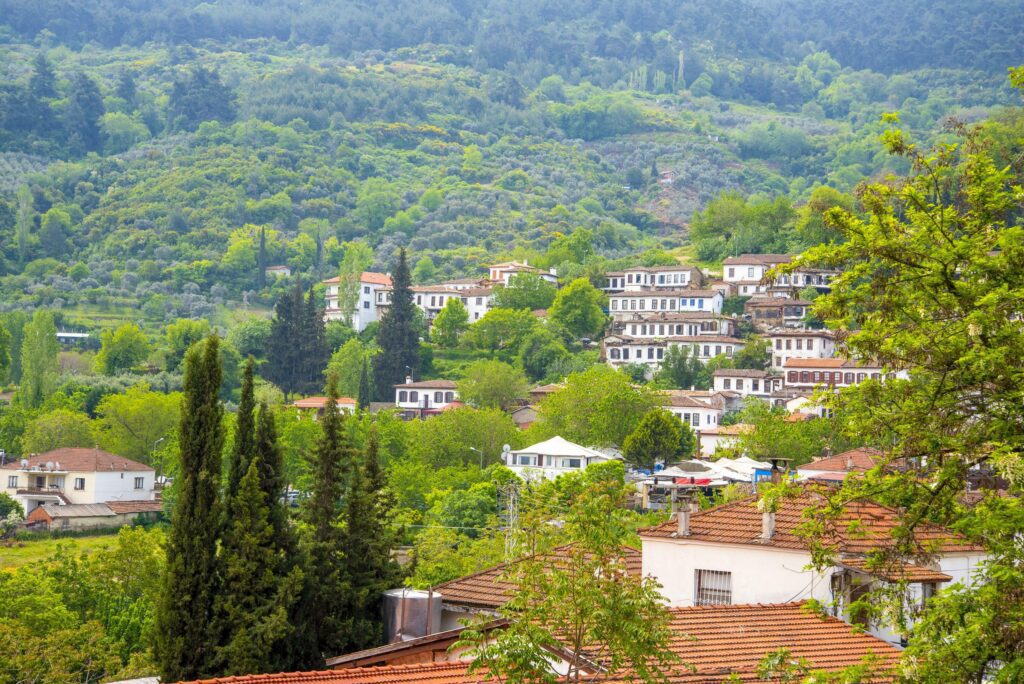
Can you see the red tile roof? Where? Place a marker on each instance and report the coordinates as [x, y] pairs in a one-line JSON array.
[[862, 458], [896, 572], [872, 526], [81, 460], [758, 259], [740, 373], [425, 673], [716, 642], [368, 277], [321, 402], [488, 589]]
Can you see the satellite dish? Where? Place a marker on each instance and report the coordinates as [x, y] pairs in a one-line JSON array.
[[49, 465], [24, 463], [506, 448]]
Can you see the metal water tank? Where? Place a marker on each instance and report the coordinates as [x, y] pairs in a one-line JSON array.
[[411, 613]]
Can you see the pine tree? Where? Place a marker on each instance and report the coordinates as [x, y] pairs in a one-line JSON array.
[[365, 393], [244, 446], [186, 637], [368, 542], [43, 83], [397, 337], [82, 115], [260, 585], [323, 601]]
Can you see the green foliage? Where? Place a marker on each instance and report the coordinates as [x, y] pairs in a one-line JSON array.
[[8, 505], [732, 225], [58, 428], [346, 366], [250, 337], [186, 638], [39, 367], [181, 335], [501, 331], [397, 336], [122, 349], [132, 423], [773, 436], [659, 438], [578, 308], [297, 346], [492, 384], [597, 407], [525, 291], [450, 323], [540, 352]]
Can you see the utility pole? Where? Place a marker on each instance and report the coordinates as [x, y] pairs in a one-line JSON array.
[[508, 512]]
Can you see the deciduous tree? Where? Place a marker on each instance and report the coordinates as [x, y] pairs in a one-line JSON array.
[[578, 308], [492, 384]]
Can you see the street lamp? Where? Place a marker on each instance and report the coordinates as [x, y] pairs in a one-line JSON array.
[[481, 456]]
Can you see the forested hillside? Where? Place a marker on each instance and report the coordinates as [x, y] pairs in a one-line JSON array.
[[146, 146]]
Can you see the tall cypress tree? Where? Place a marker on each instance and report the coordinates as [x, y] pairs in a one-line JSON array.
[[244, 445], [368, 542], [397, 336], [324, 602], [262, 581], [261, 260], [314, 339], [186, 637], [284, 347], [365, 393]]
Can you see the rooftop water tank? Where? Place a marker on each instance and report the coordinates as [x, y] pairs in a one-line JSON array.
[[411, 613]]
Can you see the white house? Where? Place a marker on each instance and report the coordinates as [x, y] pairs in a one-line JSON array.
[[622, 305], [639, 277], [478, 301], [314, 406], [698, 413], [810, 374], [503, 272], [679, 323], [620, 350], [837, 467], [746, 275], [277, 271], [746, 382], [425, 397], [799, 344], [767, 312], [737, 554], [367, 307], [73, 475], [551, 458]]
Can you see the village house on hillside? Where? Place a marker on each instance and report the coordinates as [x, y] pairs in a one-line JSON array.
[[366, 309], [736, 553], [790, 343], [80, 488], [425, 397], [657, 277], [553, 457]]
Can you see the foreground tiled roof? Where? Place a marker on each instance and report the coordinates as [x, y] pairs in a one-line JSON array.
[[426, 673], [81, 460], [872, 527], [487, 589], [718, 642], [862, 458]]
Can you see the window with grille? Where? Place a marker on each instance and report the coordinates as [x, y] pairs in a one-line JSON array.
[[713, 587]]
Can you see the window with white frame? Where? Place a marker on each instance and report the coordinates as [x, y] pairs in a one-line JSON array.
[[79, 483], [712, 587], [12, 481], [140, 482]]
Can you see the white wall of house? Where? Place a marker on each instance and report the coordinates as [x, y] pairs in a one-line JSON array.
[[809, 346], [477, 306], [697, 418], [121, 486], [744, 386], [625, 304]]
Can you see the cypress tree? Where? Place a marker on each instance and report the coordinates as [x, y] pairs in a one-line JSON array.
[[186, 638], [260, 584], [284, 348], [324, 600], [267, 454], [314, 339], [244, 445], [368, 542], [397, 336], [261, 260], [365, 394]]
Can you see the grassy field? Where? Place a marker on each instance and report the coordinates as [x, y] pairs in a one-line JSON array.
[[29, 552]]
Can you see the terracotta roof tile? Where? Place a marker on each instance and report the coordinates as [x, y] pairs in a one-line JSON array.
[[715, 642], [429, 384], [368, 277], [740, 523], [82, 460], [896, 572], [740, 373], [862, 458], [487, 588], [425, 673], [321, 402], [758, 259]]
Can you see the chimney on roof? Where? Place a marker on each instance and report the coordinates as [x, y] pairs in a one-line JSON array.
[[849, 461], [767, 526], [408, 379], [683, 517]]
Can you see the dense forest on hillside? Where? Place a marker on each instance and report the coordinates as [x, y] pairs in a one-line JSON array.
[[146, 146]]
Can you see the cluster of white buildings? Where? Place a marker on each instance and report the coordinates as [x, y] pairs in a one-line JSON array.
[[476, 294]]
